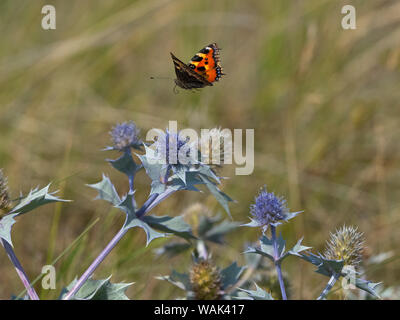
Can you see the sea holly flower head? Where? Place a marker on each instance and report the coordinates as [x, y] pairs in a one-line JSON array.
[[345, 244], [205, 280], [269, 209], [174, 149], [125, 136], [172, 163]]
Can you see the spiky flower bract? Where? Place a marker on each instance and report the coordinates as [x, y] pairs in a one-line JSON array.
[[205, 280], [5, 202], [345, 244], [268, 209], [125, 136]]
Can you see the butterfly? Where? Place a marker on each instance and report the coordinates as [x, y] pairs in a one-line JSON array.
[[202, 70]]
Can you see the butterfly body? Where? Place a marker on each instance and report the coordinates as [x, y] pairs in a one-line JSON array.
[[202, 70]]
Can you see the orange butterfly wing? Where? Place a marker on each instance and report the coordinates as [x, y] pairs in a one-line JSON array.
[[207, 63]]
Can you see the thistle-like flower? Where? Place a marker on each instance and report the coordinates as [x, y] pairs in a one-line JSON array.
[[205, 280], [125, 135], [173, 149], [216, 147], [345, 244], [269, 209], [5, 202]]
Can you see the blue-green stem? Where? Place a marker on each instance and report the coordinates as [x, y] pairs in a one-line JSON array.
[[20, 271], [95, 264], [278, 263]]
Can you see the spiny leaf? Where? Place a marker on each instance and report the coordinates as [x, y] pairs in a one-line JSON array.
[[6, 224], [295, 251], [175, 225], [252, 223], [125, 164], [298, 248], [180, 172], [291, 215], [267, 248], [132, 220], [368, 286], [324, 266], [258, 294], [221, 197], [106, 191], [208, 172], [128, 205], [180, 280], [33, 200], [99, 290], [155, 170], [192, 179], [176, 182], [268, 253], [36, 198], [231, 275]]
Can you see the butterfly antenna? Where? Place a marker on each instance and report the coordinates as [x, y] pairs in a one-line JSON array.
[[163, 78]]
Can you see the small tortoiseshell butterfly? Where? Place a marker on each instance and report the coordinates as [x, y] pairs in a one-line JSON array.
[[202, 70]]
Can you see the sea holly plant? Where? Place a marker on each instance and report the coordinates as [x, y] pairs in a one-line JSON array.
[[173, 164], [269, 211], [341, 258], [25, 204], [344, 249]]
